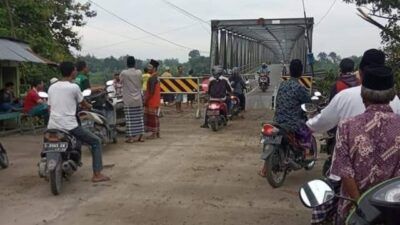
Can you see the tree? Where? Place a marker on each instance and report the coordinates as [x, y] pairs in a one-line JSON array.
[[390, 34], [48, 26], [194, 53], [334, 57], [322, 56]]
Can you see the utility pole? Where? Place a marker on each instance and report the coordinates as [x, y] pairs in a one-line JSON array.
[[12, 28]]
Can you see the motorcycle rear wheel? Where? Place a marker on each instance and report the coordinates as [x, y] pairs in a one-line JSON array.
[[214, 126], [3, 159], [275, 174], [56, 179]]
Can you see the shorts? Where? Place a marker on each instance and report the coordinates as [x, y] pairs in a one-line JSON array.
[[179, 98]]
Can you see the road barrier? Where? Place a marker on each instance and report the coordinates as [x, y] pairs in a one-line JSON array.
[[182, 85], [306, 81]]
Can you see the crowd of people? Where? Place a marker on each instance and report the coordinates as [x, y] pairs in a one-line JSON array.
[[366, 112]]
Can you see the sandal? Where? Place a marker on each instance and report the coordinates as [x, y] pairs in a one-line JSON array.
[[262, 174], [102, 178]]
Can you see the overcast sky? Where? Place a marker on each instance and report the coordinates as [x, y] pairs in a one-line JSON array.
[[341, 31]]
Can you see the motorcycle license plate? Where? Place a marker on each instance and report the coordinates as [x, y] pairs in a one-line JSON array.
[[213, 113], [55, 147], [271, 140], [87, 123]]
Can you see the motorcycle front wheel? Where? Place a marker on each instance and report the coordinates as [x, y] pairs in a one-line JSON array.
[[3, 159], [56, 179], [275, 173]]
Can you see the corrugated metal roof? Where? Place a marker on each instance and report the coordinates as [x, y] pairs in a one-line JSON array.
[[17, 51]]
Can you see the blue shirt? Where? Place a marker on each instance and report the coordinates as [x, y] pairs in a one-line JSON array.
[[291, 95]]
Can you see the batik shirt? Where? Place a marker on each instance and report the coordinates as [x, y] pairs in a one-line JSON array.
[[291, 95], [367, 150]]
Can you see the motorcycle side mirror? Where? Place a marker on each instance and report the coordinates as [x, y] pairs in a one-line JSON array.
[[43, 94], [247, 82], [318, 94], [309, 107], [87, 93], [314, 98], [316, 193], [109, 83]]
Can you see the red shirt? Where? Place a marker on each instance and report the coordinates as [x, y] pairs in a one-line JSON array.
[[153, 99], [31, 100]]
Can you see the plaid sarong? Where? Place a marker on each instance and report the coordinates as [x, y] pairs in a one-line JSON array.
[[134, 121], [152, 122], [326, 213]]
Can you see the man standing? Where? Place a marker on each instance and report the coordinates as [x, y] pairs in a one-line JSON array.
[[367, 151], [168, 98], [152, 103], [82, 79], [33, 104], [179, 97], [117, 85], [64, 98], [133, 104]]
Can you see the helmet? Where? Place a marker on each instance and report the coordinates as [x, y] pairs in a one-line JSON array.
[[235, 70], [217, 71], [264, 65], [229, 72], [53, 80]]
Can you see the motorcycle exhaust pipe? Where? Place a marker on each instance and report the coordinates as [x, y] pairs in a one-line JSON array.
[[69, 166], [294, 165]]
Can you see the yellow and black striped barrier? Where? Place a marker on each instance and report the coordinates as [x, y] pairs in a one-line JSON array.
[[182, 85], [179, 85], [306, 81]]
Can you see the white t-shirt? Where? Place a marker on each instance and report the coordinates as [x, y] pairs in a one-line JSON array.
[[347, 103], [64, 98]]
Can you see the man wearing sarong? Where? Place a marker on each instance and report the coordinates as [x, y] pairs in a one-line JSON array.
[[131, 79], [152, 103]]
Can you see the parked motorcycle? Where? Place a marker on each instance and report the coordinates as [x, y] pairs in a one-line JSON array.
[[217, 114], [263, 82], [283, 153], [117, 103], [378, 205], [101, 120], [3, 157], [60, 156]]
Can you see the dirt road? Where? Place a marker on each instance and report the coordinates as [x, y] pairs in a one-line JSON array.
[[190, 176]]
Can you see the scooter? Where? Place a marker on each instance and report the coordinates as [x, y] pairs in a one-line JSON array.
[[101, 120], [117, 103], [263, 81], [235, 106], [283, 153], [378, 205], [3, 157], [217, 114], [60, 156]]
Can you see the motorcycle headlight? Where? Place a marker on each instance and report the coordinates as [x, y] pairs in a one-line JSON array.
[[387, 194]]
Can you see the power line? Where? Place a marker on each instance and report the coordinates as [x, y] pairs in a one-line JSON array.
[[327, 12], [190, 15], [138, 27]]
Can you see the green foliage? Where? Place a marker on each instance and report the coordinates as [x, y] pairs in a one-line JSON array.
[[390, 11]]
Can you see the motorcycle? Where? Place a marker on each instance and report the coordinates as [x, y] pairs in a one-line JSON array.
[[263, 81], [378, 205], [117, 103], [101, 120], [4, 163], [283, 153], [60, 156], [235, 106], [217, 114]]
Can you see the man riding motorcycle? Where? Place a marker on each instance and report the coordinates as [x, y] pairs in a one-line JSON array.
[[291, 95], [64, 98], [264, 71], [218, 87]]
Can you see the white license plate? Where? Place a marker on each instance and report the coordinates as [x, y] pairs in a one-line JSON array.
[[271, 140], [87, 123], [55, 147]]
